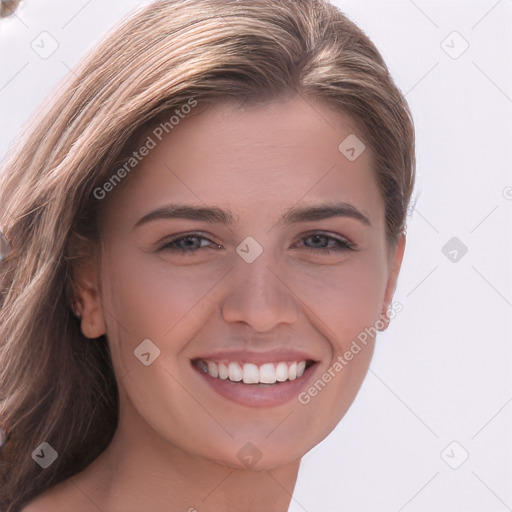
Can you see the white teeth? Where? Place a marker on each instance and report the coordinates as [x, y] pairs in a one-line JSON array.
[[235, 372], [223, 371], [281, 372], [213, 369], [267, 373], [292, 371], [249, 373]]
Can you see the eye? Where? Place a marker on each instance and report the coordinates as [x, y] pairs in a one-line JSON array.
[[190, 243], [340, 244], [186, 244]]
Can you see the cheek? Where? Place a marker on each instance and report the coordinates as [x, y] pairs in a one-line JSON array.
[[345, 299], [154, 300], [347, 303]]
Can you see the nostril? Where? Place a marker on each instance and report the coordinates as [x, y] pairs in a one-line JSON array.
[[8, 7]]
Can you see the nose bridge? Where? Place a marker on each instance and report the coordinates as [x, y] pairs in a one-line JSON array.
[[258, 294], [259, 279]]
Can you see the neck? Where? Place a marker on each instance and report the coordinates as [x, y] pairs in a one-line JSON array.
[[141, 471]]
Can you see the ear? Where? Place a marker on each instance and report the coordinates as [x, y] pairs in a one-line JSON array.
[[396, 254], [88, 306]]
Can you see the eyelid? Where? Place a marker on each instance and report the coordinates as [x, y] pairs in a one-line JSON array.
[[329, 234], [186, 234], [345, 244]]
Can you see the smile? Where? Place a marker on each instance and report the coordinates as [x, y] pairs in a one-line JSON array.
[[256, 380], [250, 373]]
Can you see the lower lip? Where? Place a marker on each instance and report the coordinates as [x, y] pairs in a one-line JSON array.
[[252, 395]]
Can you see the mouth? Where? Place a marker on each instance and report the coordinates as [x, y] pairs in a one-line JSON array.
[[258, 382], [262, 375]]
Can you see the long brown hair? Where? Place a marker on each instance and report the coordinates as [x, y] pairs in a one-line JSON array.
[[57, 386]]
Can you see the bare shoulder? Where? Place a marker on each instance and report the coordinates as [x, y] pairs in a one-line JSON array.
[[85, 491], [56, 498], [63, 497]]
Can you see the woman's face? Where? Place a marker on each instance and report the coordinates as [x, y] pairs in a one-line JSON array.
[[217, 262]]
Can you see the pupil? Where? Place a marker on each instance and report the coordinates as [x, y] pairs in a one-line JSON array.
[[316, 238]]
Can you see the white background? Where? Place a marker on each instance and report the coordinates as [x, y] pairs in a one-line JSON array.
[[442, 372]]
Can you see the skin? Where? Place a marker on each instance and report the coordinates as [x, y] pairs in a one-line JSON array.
[[177, 441]]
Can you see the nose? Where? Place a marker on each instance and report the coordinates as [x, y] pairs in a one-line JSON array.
[[260, 296]]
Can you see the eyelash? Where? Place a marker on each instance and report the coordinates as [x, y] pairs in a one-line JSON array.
[[344, 245]]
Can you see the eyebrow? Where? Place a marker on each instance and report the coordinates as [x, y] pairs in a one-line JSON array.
[[214, 214]]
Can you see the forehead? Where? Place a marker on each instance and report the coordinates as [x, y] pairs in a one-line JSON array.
[[250, 159]]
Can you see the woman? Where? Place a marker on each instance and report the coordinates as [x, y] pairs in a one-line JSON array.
[[204, 232]]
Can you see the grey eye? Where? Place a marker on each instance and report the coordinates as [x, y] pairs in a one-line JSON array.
[[8, 7]]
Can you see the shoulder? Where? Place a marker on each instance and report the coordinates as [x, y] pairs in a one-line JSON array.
[[63, 497], [53, 499]]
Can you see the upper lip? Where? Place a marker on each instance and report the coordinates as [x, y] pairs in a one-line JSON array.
[[258, 358]]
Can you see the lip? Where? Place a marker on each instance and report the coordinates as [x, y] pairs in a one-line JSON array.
[[252, 395], [258, 358]]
